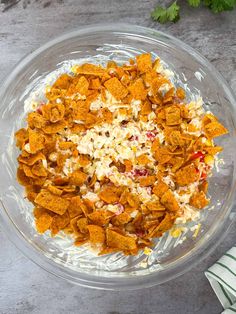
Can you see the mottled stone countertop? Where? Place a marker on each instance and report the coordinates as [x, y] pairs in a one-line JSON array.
[[24, 26]]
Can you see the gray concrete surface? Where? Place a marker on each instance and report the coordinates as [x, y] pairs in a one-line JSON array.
[[24, 26]]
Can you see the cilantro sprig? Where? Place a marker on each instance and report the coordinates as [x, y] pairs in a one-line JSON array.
[[164, 15], [172, 12]]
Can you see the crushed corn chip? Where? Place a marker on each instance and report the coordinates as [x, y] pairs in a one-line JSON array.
[[186, 175], [78, 178], [52, 202], [144, 62], [100, 217], [199, 200], [214, 129], [36, 120], [110, 194], [112, 155], [137, 90], [143, 159], [160, 188], [53, 112], [53, 128], [59, 222], [82, 224], [116, 88], [117, 240], [82, 86], [147, 181], [75, 206], [96, 234], [169, 201], [162, 155], [121, 219], [43, 222], [173, 116], [21, 136], [89, 69], [36, 141]]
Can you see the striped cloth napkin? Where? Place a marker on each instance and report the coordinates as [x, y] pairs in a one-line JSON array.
[[222, 277]]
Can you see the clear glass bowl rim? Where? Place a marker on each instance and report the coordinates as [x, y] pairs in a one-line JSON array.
[[201, 251]]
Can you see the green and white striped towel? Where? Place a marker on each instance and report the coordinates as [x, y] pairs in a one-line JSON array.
[[222, 277]]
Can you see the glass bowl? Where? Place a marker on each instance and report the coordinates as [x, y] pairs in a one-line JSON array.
[[171, 256]]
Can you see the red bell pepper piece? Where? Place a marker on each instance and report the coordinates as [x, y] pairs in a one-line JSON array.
[[197, 155]]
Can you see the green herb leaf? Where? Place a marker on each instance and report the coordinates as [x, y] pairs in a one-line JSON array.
[[159, 15], [171, 13], [218, 6], [207, 3], [163, 15], [194, 3]]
